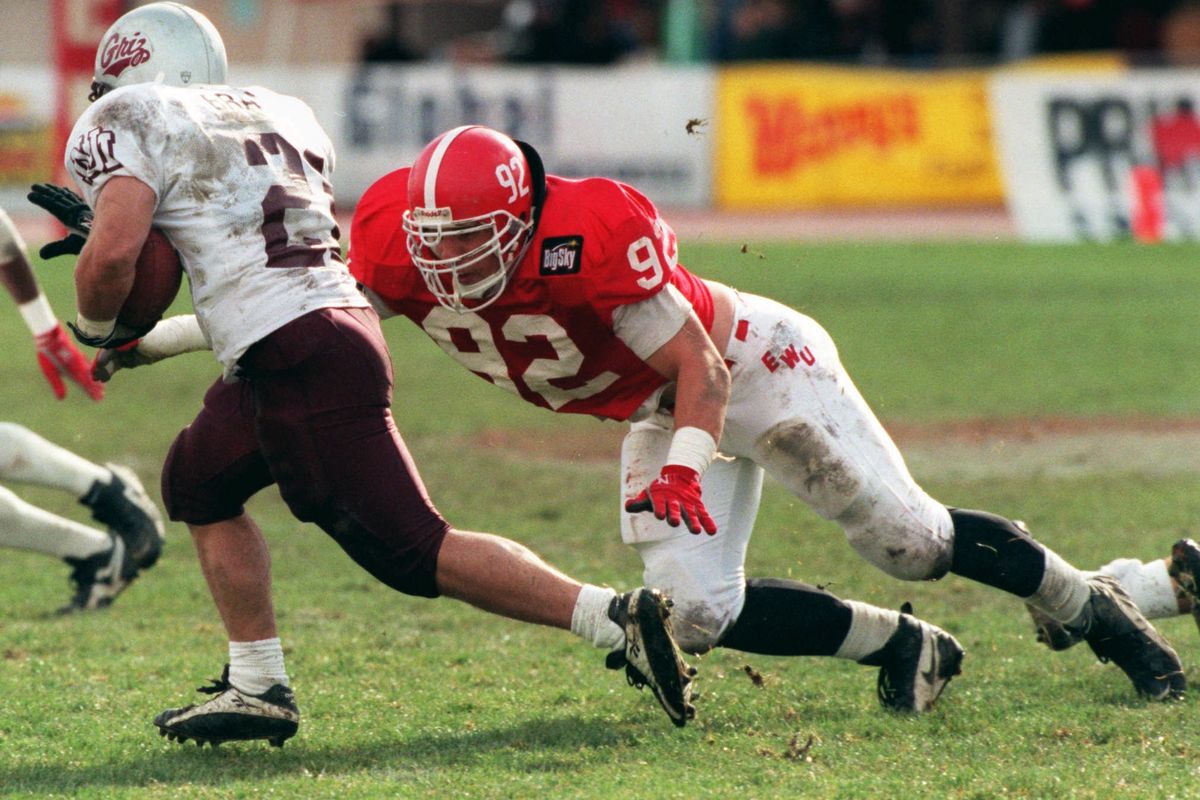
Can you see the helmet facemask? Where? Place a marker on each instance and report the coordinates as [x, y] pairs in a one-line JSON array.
[[456, 280]]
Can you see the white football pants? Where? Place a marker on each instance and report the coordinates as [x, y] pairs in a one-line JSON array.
[[26, 457], [794, 412]]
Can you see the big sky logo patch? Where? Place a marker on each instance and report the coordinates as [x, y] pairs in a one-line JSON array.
[[561, 255]]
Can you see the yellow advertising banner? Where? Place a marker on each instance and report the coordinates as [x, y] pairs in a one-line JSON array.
[[792, 136], [26, 151]]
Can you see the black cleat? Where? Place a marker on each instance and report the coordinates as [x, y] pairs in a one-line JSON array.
[[915, 665], [233, 716], [651, 657], [1184, 569], [98, 579], [1051, 632], [1117, 632], [124, 507]]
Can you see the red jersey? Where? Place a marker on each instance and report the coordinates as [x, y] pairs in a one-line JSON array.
[[549, 337]]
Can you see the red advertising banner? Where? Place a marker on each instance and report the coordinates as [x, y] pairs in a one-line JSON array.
[[77, 28]]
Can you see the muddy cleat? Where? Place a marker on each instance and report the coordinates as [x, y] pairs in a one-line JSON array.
[[1184, 569], [915, 665], [651, 657], [1116, 631], [98, 579], [124, 507], [1051, 632], [233, 716]]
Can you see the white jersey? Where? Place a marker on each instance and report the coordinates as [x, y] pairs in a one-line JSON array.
[[242, 179]]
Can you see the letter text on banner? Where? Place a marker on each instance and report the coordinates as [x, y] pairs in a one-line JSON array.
[[803, 137]]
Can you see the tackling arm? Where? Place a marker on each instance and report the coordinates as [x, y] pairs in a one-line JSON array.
[[702, 381], [57, 356], [171, 337], [15, 272]]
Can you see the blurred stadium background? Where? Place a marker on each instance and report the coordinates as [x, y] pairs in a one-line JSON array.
[[1041, 119]]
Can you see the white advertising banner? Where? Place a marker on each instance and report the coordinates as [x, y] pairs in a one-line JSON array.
[[1094, 157], [629, 123], [26, 134]]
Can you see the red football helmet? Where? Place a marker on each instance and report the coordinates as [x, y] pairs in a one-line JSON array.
[[470, 215]]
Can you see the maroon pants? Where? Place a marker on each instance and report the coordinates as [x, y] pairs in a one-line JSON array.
[[312, 414]]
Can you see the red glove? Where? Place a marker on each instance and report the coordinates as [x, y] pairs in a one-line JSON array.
[[675, 495], [57, 356]]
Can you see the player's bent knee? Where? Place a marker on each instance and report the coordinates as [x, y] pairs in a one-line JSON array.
[[699, 624], [403, 560], [901, 552], [708, 590]]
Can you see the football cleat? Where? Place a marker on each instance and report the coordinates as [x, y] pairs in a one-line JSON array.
[[124, 507], [651, 657], [1184, 569], [1051, 632], [99, 578], [233, 716], [915, 665], [1117, 632]]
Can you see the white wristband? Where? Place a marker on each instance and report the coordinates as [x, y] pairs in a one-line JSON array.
[[38, 315], [693, 448], [173, 336], [94, 329]]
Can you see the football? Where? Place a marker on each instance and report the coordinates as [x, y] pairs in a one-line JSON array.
[[159, 275]]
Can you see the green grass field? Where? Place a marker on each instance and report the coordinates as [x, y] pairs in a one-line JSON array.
[[405, 697]]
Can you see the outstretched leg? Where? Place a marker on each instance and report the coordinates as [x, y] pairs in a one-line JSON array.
[[803, 419], [112, 493], [787, 618]]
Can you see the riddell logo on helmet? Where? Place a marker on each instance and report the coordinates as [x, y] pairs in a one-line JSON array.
[[121, 52], [432, 214]]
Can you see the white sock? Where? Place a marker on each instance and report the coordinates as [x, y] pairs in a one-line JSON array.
[[590, 621], [870, 629], [26, 457], [27, 527], [1063, 591], [1148, 584], [255, 667]]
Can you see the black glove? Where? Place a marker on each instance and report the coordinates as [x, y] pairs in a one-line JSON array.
[[109, 360], [120, 335], [72, 245], [69, 209]]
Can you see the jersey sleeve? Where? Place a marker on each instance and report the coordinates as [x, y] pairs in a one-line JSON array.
[[122, 133], [638, 251], [647, 325], [378, 256]]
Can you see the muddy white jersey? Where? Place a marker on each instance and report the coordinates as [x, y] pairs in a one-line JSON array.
[[242, 181]]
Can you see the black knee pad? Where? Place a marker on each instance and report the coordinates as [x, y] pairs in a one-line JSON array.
[[788, 618], [992, 550]]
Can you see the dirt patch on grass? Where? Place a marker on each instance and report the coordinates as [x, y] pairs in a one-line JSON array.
[[1050, 446]]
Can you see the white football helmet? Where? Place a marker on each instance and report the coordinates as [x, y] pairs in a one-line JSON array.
[[159, 43]]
